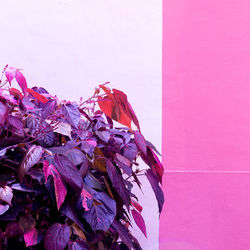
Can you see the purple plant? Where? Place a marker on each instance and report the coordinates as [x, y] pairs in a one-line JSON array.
[[67, 171]]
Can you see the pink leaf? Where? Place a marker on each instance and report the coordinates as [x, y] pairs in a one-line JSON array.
[[60, 188], [139, 221], [85, 194], [32, 237], [21, 81], [10, 73]]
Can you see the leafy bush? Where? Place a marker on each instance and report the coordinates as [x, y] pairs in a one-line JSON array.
[[67, 171]]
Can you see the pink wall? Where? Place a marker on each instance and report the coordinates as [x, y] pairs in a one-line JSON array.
[[206, 117]]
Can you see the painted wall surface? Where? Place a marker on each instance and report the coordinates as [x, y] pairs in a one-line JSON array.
[[206, 135], [71, 46]]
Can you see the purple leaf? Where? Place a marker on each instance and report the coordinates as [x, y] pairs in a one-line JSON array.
[[123, 163], [156, 188], [48, 108], [63, 128], [47, 140], [102, 212], [31, 158], [6, 194], [15, 122], [123, 233], [76, 156], [57, 237], [19, 187], [84, 167], [10, 73], [3, 113], [21, 81], [60, 189], [103, 135], [140, 142], [72, 114], [32, 237], [78, 245], [139, 221], [149, 144], [88, 146], [3, 208], [130, 151], [69, 172], [68, 209], [117, 182]]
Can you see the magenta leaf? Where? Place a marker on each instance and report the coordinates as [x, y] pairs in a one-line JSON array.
[[6, 194], [32, 237], [156, 188], [69, 172], [78, 245], [31, 158], [102, 212], [117, 182], [60, 188], [136, 205], [85, 195], [140, 142], [10, 73], [3, 112], [57, 237], [72, 114], [21, 81], [139, 221]]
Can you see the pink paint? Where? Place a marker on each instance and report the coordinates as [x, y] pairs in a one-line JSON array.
[[206, 125]]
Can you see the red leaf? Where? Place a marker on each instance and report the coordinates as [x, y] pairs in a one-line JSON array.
[[32, 237], [21, 81], [155, 164], [139, 221], [37, 96], [136, 205], [16, 93], [10, 73], [117, 107], [106, 105], [140, 142], [60, 188]]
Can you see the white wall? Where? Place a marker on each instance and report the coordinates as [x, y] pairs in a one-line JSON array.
[[71, 46]]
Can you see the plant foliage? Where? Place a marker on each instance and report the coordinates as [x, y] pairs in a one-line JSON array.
[[67, 169]]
